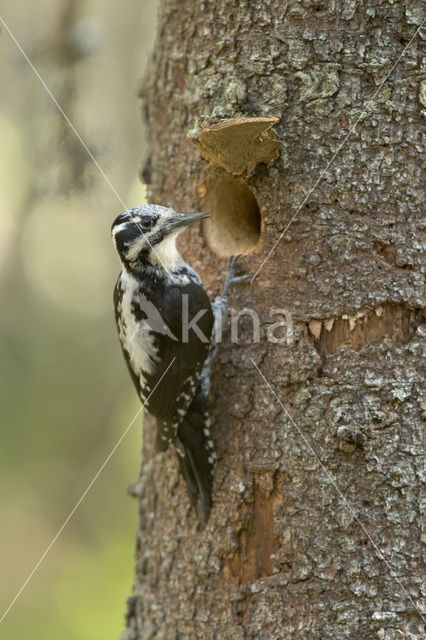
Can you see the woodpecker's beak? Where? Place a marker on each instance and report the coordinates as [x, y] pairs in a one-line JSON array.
[[182, 221]]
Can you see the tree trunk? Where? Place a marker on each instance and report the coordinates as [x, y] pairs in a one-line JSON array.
[[315, 529]]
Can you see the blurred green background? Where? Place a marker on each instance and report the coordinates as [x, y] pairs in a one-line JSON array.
[[64, 392]]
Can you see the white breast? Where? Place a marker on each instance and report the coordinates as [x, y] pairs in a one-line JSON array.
[[136, 336]]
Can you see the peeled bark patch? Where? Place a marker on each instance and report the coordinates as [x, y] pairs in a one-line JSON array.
[[394, 323], [239, 145], [257, 542]]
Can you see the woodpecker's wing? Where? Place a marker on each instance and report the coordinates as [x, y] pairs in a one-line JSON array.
[[188, 316]]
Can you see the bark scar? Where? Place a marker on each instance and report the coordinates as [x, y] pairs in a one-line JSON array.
[[257, 542], [396, 323]]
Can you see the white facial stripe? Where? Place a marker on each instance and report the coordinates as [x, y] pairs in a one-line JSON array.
[[135, 247]]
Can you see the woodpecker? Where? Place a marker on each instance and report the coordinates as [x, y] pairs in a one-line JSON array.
[[165, 323]]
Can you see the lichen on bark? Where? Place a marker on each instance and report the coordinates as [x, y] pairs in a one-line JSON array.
[[283, 556]]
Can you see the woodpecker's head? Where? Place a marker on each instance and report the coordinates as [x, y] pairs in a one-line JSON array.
[[147, 235]]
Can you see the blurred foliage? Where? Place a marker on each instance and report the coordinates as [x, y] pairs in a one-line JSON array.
[[65, 397]]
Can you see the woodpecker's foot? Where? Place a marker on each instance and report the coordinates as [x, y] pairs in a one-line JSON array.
[[232, 265], [220, 312], [241, 279], [230, 275], [220, 305], [231, 278]]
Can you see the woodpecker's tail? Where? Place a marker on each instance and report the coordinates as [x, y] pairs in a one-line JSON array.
[[196, 453]]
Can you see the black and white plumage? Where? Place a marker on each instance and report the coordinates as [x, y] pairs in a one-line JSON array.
[[156, 295]]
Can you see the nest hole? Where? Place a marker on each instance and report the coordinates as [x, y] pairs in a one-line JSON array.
[[234, 226]]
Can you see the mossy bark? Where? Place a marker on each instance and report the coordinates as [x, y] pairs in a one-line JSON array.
[[283, 555]]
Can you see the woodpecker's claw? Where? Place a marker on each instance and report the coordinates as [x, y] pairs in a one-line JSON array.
[[241, 279], [231, 278]]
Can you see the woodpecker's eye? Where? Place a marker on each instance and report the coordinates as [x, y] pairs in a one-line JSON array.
[[146, 222]]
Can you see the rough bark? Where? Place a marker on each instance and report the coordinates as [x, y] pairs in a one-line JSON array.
[[283, 556]]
